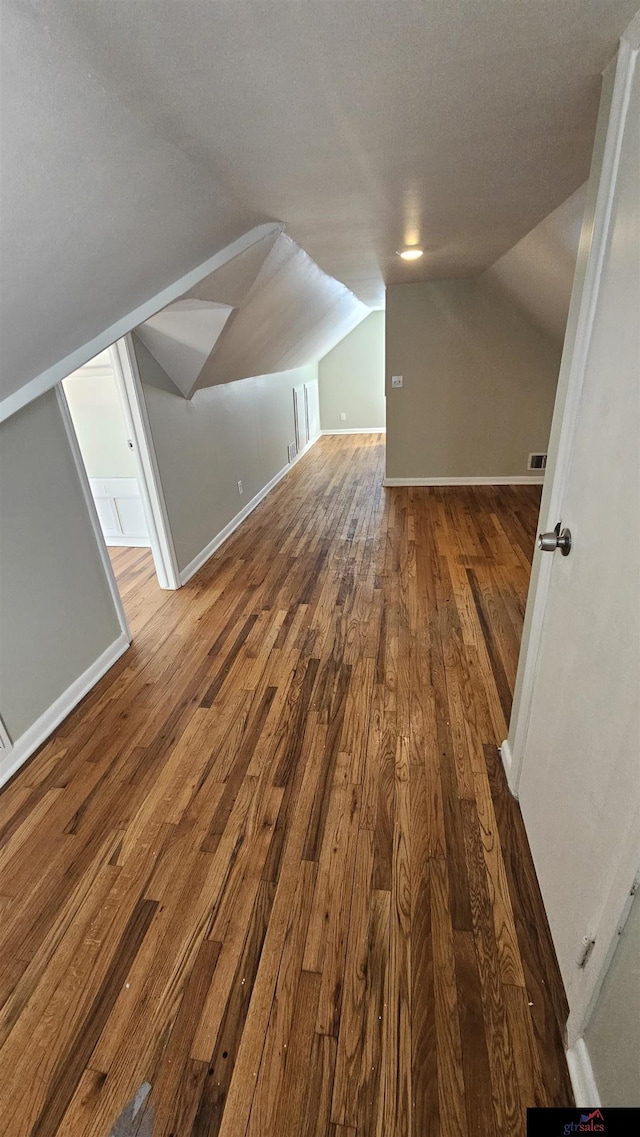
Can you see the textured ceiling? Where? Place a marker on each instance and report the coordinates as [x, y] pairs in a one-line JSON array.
[[139, 138]]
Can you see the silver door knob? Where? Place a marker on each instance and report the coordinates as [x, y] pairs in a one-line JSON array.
[[559, 539]]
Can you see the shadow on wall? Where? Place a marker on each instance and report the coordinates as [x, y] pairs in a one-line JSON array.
[[537, 273]]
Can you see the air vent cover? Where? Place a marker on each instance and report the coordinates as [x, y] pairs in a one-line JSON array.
[[537, 462]]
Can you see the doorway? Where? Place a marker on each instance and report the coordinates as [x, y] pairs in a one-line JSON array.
[[105, 416], [96, 408]]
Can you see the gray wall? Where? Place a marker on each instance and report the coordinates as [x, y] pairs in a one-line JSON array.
[[204, 446], [613, 1034], [56, 611], [479, 382], [351, 379]]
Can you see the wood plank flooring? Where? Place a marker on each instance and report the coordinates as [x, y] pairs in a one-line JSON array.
[[270, 865]]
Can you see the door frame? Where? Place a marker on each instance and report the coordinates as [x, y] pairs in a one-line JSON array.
[[127, 375], [91, 508]]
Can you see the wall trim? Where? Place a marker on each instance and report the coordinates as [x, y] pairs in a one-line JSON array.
[[358, 430], [203, 556], [507, 762], [5, 739], [583, 1081], [47, 379], [83, 478], [514, 480], [125, 369], [39, 731], [128, 542]]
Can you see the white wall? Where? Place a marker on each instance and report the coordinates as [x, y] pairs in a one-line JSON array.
[[479, 382], [351, 379], [57, 614], [229, 433], [98, 418]]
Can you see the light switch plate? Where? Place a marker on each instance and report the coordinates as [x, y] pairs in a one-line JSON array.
[[397, 380]]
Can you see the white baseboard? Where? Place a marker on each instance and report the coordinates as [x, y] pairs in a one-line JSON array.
[[208, 551], [39, 731], [514, 480], [358, 430], [128, 542], [582, 1077], [507, 762]]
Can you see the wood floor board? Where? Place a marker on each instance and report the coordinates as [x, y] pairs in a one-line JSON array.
[[270, 865]]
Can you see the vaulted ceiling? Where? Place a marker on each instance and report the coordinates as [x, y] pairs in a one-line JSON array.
[[268, 309], [140, 138]]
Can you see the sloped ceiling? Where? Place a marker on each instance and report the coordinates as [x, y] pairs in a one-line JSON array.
[[139, 138], [182, 336], [538, 271], [267, 310]]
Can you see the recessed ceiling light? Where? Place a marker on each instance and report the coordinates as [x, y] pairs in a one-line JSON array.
[[410, 254]]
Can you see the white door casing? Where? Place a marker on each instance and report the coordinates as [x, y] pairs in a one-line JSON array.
[[312, 402], [299, 417], [125, 368], [578, 755]]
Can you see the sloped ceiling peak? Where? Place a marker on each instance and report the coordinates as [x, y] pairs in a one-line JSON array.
[[286, 312], [289, 316], [231, 282], [182, 337]]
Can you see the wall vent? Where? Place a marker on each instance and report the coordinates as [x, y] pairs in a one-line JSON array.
[[292, 450], [537, 462]]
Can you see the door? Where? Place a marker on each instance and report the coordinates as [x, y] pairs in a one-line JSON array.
[[107, 451], [580, 777], [120, 511]]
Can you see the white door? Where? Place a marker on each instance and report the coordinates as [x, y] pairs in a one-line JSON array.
[[120, 511], [580, 778]]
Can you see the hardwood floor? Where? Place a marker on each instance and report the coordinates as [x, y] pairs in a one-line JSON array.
[[270, 866]]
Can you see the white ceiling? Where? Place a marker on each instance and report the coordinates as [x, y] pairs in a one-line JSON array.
[[139, 138]]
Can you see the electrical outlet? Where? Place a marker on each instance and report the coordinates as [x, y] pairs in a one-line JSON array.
[[343, 417], [240, 490], [397, 380]]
